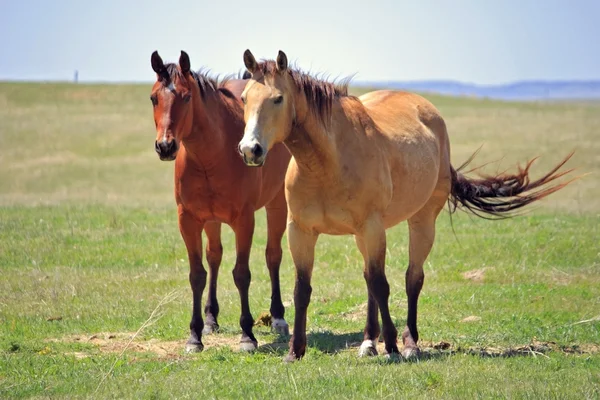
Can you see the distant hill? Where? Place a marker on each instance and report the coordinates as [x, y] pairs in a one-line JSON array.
[[524, 90]]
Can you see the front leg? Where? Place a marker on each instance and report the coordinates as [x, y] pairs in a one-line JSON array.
[[302, 246], [372, 328], [191, 232], [214, 254], [276, 223], [244, 230]]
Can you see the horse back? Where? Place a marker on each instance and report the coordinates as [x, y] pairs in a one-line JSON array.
[[415, 142], [236, 86]]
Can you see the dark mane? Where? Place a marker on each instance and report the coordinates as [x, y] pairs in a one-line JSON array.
[[319, 92], [206, 83]]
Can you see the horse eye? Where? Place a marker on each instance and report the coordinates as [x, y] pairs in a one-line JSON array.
[[278, 100], [187, 98], [243, 100], [154, 100]]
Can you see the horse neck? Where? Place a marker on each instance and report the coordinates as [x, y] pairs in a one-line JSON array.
[[208, 141], [312, 143]]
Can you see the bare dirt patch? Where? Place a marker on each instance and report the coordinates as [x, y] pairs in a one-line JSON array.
[[116, 342], [77, 354], [358, 313], [533, 349], [471, 318]]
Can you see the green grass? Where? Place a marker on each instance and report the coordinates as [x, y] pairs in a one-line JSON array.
[[89, 245]]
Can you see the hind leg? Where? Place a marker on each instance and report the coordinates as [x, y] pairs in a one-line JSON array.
[[422, 234], [214, 254], [276, 223]]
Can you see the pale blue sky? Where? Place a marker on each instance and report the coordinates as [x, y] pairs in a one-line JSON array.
[[479, 41]]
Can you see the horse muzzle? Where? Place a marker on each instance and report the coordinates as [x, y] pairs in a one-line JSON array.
[[253, 154], [167, 151]]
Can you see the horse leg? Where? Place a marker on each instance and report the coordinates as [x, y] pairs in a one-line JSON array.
[[422, 234], [244, 230], [214, 254], [276, 223], [302, 246], [372, 328], [373, 237], [191, 232]]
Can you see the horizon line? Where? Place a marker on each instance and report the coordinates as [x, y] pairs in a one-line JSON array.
[[359, 82]]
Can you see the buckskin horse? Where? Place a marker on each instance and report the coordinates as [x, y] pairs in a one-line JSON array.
[[199, 122], [360, 166]]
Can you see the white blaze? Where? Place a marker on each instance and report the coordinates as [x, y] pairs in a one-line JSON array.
[[251, 138]]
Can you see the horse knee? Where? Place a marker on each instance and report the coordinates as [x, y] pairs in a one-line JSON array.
[[197, 277], [302, 293], [214, 255], [414, 279], [378, 284], [242, 276]]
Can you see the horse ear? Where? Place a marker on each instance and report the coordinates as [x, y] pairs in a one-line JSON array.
[[157, 63], [184, 62], [282, 62], [250, 61]]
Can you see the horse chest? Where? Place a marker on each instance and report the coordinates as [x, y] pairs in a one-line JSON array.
[[206, 200], [323, 215]]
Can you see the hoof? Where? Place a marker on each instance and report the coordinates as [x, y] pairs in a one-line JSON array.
[[280, 327], [411, 353], [367, 349], [194, 347], [248, 345], [210, 328], [290, 358], [393, 357]]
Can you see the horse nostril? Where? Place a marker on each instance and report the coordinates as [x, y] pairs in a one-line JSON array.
[[156, 147], [257, 150]]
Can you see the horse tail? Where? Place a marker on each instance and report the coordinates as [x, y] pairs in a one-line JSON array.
[[493, 197]]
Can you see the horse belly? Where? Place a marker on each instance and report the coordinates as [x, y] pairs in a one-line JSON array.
[[413, 187], [404, 207]]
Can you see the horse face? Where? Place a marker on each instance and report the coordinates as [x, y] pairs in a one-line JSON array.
[[171, 99], [268, 110]]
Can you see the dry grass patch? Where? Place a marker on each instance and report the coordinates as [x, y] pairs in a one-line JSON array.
[[476, 275]]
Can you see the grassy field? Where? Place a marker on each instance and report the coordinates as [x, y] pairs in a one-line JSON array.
[[90, 255]]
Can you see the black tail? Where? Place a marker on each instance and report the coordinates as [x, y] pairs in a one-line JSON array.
[[497, 196]]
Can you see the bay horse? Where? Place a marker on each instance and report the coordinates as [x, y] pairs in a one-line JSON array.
[[360, 166], [199, 122]]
